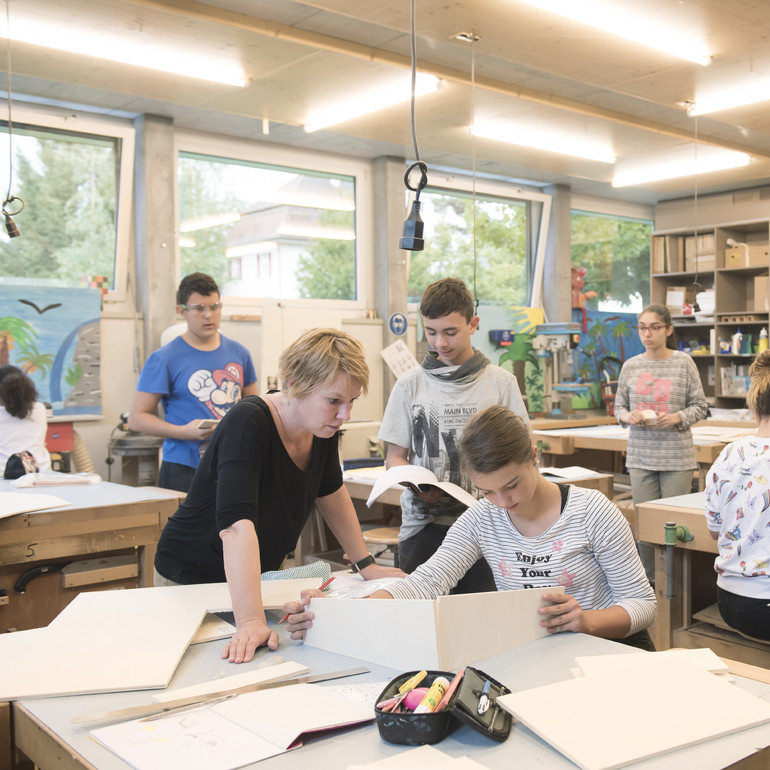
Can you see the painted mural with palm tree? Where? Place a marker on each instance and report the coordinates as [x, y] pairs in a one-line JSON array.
[[610, 340], [519, 357], [54, 338]]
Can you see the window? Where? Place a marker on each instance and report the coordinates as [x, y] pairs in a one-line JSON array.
[[506, 242], [72, 172], [615, 252], [292, 230]]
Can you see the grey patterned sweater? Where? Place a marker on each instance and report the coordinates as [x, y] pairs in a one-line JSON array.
[[667, 385]]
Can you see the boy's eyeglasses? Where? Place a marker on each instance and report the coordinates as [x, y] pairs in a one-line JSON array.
[[213, 307], [651, 328]]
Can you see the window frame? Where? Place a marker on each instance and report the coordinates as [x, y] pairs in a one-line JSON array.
[[74, 121], [447, 182], [266, 153], [614, 209]]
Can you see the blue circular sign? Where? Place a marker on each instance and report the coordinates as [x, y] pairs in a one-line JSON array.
[[397, 324]]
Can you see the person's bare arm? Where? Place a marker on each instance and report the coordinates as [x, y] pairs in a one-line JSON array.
[[396, 455], [143, 419], [243, 570], [338, 512], [250, 390]]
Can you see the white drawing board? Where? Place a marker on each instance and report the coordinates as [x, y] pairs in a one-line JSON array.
[[642, 714]]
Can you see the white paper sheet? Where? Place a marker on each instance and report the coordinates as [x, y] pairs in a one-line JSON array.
[[12, 503]]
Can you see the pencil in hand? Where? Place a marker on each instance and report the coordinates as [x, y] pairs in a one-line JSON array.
[[322, 587]]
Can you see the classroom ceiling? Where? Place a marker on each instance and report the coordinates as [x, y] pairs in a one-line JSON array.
[[527, 68]]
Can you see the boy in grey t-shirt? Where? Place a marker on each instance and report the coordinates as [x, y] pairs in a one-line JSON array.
[[426, 413]]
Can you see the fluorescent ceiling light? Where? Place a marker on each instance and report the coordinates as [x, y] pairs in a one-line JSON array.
[[374, 99], [736, 95], [541, 138], [677, 163], [616, 18], [138, 52]]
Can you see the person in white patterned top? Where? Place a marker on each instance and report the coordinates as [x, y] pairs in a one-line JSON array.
[[533, 533], [738, 516]]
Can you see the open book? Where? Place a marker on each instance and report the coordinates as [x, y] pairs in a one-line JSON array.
[[422, 478]]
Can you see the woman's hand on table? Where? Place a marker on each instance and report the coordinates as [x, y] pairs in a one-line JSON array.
[[247, 638]]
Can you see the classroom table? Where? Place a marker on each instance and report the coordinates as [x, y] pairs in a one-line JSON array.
[[694, 581], [102, 519], [43, 731], [612, 440]]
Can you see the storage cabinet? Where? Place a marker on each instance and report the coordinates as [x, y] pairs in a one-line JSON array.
[[727, 266]]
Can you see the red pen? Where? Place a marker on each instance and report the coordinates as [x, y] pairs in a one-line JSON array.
[[320, 588]]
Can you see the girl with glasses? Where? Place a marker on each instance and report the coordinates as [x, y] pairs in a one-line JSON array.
[[659, 397], [532, 533]]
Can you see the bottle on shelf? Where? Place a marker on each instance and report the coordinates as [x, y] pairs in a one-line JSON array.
[[762, 345], [737, 341]]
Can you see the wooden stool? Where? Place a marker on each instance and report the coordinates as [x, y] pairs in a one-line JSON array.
[[384, 536]]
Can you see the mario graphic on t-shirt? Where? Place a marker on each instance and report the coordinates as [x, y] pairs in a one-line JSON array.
[[219, 390]]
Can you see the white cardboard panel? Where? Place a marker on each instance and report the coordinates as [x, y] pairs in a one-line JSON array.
[[646, 714], [270, 674], [400, 634], [444, 634], [107, 641]]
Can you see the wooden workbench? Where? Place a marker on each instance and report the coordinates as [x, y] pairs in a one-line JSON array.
[[612, 441], [45, 734], [694, 581], [104, 519]]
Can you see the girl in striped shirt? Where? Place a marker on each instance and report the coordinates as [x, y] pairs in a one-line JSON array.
[[533, 533]]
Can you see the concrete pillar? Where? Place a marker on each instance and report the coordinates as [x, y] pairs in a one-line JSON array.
[[557, 273], [390, 262], [155, 217]]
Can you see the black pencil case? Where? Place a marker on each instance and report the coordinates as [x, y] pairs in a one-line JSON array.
[[412, 729]]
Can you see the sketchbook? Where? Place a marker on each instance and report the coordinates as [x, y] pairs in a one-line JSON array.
[[443, 633], [420, 477], [233, 732]]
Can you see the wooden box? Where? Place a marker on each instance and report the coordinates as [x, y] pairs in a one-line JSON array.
[[754, 256], [761, 297]]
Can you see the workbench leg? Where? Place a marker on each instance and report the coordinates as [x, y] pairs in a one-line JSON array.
[[670, 612]]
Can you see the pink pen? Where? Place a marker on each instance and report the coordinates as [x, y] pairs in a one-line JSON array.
[[320, 588]]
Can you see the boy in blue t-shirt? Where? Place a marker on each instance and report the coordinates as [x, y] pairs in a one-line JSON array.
[[197, 376]]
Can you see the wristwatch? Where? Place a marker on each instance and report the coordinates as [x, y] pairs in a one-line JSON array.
[[367, 561]]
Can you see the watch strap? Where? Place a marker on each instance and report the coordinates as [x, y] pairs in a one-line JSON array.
[[367, 561]]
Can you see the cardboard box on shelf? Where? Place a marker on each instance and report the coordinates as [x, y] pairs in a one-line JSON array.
[[753, 256], [701, 263], [761, 297], [676, 296]]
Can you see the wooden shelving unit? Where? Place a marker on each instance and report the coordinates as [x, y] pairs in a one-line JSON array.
[[738, 276]]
